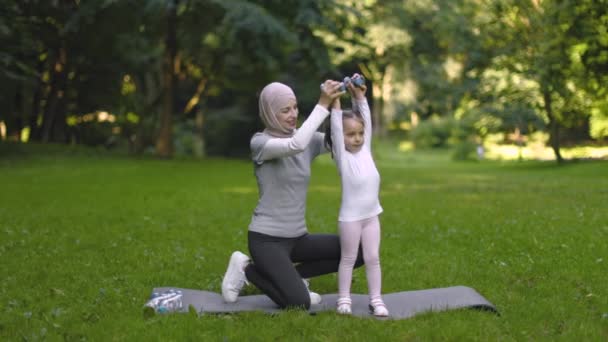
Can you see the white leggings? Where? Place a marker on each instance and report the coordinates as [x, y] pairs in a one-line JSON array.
[[368, 233]]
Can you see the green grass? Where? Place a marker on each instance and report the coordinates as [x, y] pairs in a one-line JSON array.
[[85, 236]]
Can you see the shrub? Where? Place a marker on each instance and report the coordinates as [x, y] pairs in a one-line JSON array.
[[465, 150], [432, 133]]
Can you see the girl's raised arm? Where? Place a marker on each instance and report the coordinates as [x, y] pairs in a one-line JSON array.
[[337, 135], [363, 109]]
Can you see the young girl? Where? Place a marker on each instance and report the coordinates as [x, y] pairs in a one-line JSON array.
[[349, 139]]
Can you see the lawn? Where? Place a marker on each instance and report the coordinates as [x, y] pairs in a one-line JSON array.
[[85, 236]]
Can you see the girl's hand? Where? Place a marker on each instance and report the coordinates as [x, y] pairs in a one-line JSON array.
[[330, 90], [357, 93]]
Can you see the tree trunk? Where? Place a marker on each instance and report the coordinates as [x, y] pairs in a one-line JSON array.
[[13, 120], [377, 109], [56, 94], [199, 139], [164, 142], [553, 127], [376, 75], [378, 104], [152, 95], [35, 127]]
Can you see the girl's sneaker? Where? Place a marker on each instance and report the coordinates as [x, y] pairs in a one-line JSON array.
[[344, 306], [378, 308]]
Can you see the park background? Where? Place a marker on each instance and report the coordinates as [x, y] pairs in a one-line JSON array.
[[124, 133]]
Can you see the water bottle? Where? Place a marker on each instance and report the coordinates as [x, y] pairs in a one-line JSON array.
[[164, 302]]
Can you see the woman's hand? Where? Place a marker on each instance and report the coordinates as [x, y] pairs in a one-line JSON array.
[[357, 93], [330, 90]]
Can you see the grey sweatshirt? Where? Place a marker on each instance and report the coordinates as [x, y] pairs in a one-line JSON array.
[[282, 170]]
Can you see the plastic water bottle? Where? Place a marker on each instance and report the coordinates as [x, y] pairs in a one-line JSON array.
[[164, 302]]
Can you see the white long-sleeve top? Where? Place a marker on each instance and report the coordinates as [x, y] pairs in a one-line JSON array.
[[359, 177]]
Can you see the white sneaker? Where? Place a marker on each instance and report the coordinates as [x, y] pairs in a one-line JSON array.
[[315, 298], [344, 306], [378, 308], [234, 279]]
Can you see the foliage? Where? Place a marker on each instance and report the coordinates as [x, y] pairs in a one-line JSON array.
[[228, 131], [535, 40], [509, 65], [465, 150], [433, 133], [599, 127]]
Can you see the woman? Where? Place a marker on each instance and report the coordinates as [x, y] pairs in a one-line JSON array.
[[278, 236]]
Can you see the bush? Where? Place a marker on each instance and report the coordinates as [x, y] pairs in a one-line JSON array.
[[183, 138], [465, 150], [432, 133], [227, 131], [92, 133]]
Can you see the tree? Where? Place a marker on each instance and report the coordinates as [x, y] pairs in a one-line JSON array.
[[242, 46], [588, 37], [422, 57], [370, 39], [531, 40], [164, 142], [69, 63]]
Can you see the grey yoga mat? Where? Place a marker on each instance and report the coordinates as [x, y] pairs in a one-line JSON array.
[[400, 304]]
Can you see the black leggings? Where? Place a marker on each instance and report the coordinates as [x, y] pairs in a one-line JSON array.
[[273, 270]]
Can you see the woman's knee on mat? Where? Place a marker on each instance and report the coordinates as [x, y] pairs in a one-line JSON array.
[[297, 299]]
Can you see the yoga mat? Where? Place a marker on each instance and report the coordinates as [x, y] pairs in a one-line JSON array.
[[400, 304]]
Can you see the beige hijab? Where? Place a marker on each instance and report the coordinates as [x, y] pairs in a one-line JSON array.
[[272, 98]]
